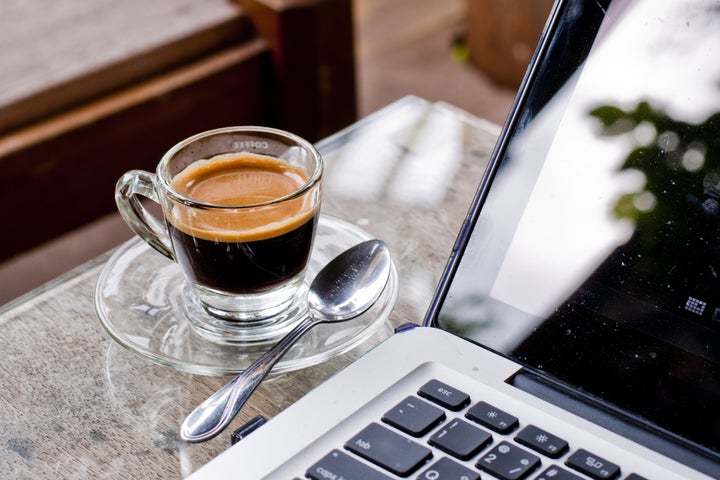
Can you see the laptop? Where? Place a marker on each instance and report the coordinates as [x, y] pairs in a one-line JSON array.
[[575, 333]]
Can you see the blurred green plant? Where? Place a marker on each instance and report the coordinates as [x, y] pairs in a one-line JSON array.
[[681, 165]]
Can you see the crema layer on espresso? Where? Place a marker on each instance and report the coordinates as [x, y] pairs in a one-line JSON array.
[[237, 181]]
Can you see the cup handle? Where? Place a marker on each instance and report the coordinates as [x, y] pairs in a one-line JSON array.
[[138, 218]]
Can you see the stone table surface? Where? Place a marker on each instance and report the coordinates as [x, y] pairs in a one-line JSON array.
[[75, 404]]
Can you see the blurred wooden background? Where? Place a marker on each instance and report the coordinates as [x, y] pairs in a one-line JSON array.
[[401, 47]]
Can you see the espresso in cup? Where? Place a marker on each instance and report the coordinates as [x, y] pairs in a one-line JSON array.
[[242, 252], [240, 207]]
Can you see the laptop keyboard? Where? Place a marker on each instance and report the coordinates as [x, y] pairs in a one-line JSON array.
[[439, 433]]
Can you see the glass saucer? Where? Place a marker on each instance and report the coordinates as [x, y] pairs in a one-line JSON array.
[[138, 299]]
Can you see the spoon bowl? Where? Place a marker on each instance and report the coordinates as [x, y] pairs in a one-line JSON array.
[[344, 289]]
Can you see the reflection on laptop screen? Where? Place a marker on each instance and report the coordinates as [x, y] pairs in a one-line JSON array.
[[595, 259]]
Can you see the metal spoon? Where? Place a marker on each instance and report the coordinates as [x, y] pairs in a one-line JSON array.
[[345, 288]]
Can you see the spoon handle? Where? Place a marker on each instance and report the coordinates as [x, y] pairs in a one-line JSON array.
[[214, 414]]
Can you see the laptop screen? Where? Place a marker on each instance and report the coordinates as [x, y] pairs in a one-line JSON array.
[[594, 254]]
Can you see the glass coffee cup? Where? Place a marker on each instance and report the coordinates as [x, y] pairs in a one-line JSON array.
[[240, 208]]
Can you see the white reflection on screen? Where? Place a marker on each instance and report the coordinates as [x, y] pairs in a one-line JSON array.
[[567, 228]]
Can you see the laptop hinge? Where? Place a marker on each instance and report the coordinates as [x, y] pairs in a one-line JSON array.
[[678, 449]]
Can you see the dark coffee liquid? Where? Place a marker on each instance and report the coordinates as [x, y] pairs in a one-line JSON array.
[[237, 249], [244, 267]]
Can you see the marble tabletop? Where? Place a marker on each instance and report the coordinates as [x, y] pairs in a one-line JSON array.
[[75, 404]]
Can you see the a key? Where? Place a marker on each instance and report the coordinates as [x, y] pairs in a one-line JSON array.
[[460, 439], [593, 466], [337, 464], [389, 450], [493, 418], [414, 416], [542, 441], [446, 469], [557, 473], [508, 462], [444, 395]]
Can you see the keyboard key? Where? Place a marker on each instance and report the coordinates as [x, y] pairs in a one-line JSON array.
[[444, 395], [542, 441], [635, 476], [557, 473], [414, 416], [446, 469], [508, 462], [389, 450], [593, 466], [493, 418], [337, 464], [460, 439]]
